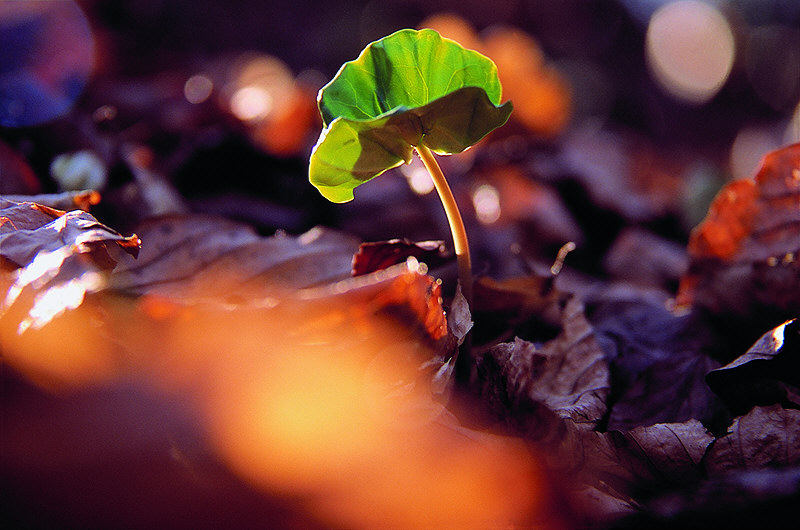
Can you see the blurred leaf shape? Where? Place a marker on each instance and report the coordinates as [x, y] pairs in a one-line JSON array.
[[195, 259], [18, 177], [59, 257], [66, 200], [743, 254], [541, 95], [404, 89]]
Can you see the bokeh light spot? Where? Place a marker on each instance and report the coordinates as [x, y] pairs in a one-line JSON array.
[[486, 200], [418, 177], [259, 85], [197, 89], [46, 59], [690, 49], [251, 103]]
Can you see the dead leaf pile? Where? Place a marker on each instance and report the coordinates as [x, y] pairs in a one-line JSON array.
[[297, 376]]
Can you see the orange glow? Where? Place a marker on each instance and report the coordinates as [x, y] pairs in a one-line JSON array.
[[281, 111], [454, 27], [540, 94], [327, 400], [286, 131], [43, 354], [347, 423], [258, 85]]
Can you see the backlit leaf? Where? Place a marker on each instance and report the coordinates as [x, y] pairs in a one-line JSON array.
[[410, 87]]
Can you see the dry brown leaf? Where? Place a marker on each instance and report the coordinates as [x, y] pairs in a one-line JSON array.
[[567, 375], [378, 255], [511, 307], [764, 437], [767, 374], [68, 200], [57, 257], [743, 254]]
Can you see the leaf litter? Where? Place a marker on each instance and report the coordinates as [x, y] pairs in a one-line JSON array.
[[611, 391]]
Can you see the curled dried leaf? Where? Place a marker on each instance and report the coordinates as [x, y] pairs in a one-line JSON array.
[[767, 374], [59, 256], [567, 376], [379, 255], [743, 254]]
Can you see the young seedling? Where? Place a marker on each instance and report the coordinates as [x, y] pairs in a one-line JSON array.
[[410, 91]]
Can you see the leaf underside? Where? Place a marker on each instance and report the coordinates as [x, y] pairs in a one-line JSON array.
[[408, 88]]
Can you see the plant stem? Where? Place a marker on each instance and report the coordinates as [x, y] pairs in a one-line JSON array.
[[460, 242]]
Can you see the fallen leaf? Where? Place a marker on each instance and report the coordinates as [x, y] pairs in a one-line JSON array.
[[567, 375], [764, 437], [526, 306], [375, 256], [767, 374], [624, 173], [193, 258], [743, 254], [57, 258], [644, 258], [657, 362]]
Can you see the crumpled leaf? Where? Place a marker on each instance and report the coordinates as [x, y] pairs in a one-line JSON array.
[[664, 453], [764, 437], [614, 470], [379, 255], [193, 259], [743, 254], [203, 257], [658, 364], [767, 374], [526, 306], [567, 375], [59, 256]]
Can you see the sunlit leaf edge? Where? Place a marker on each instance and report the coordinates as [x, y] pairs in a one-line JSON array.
[[392, 136], [361, 71]]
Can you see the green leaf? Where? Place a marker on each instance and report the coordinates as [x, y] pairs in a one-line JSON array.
[[405, 89]]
